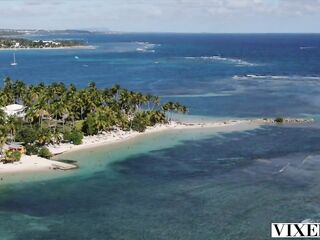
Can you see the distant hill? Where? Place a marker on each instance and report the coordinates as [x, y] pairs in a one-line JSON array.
[[19, 32]]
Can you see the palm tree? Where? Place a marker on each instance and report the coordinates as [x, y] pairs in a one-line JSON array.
[[72, 88], [174, 107], [73, 115], [12, 123], [169, 107], [30, 96], [179, 108], [44, 137], [100, 109], [8, 89], [156, 117], [30, 115], [115, 90], [3, 131], [152, 100], [57, 137], [40, 111], [3, 137], [4, 99], [104, 118], [125, 100], [59, 110], [19, 88], [2, 117]]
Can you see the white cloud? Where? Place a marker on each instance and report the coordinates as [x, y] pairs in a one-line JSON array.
[[163, 15]]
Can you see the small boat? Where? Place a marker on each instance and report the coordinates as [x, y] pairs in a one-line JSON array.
[[76, 57], [14, 63]]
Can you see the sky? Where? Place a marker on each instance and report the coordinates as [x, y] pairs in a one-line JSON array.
[[216, 16]]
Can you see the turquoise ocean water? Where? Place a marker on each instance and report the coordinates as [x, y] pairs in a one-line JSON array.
[[198, 184]]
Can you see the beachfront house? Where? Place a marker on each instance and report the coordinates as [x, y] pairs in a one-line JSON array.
[[15, 110], [17, 147]]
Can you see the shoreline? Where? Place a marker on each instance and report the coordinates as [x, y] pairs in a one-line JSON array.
[[118, 136], [89, 47], [35, 164]]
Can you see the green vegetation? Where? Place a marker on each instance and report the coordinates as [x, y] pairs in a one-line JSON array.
[[32, 149], [74, 136], [45, 153], [279, 120], [140, 122], [26, 43], [12, 156], [57, 113]]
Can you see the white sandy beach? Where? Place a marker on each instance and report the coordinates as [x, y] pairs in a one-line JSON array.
[[117, 136], [33, 164], [36, 164]]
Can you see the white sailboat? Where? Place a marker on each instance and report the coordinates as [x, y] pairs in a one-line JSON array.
[[14, 63]]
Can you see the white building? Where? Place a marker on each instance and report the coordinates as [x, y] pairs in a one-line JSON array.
[[15, 110]]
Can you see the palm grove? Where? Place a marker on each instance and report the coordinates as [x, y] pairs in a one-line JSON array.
[[56, 113]]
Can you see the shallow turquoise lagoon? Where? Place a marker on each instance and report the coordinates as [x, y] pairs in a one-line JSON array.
[[194, 185]]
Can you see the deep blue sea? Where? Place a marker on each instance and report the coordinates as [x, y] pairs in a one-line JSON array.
[[188, 184]]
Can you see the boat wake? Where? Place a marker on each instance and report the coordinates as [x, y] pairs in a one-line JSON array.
[[236, 61]]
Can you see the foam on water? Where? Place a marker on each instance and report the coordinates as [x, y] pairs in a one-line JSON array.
[[146, 47], [276, 77], [235, 61]]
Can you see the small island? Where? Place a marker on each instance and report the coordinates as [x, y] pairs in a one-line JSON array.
[[35, 119], [40, 121], [22, 43]]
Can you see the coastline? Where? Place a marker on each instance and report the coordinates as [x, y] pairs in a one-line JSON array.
[[118, 136], [35, 164], [89, 47]]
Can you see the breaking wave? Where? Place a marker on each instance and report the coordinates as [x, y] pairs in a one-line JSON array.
[[275, 77], [146, 47], [235, 61]]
